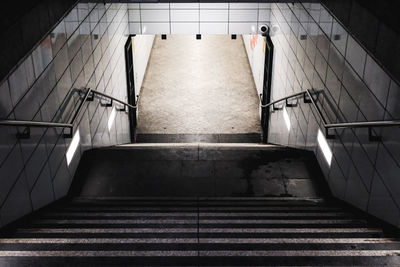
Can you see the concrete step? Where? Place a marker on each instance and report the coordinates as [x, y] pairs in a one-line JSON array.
[[198, 170], [225, 232], [199, 138], [202, 258]]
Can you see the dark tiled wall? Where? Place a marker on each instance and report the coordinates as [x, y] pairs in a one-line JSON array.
[[313, 50], [375, 25], [24, 24], [85, 50]]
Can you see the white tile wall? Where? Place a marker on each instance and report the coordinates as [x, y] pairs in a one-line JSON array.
[[155, 28], [156, 15], [184, 5], [134, 15], [214, 5], [213, 15], [218, 18], [243, 27], [184, 15], [133, 6], [154, 5], [362, 173], [184, 28], [134, 28], [35, 172], [243, 5], [243, 15], [213, 28], [264, 14]]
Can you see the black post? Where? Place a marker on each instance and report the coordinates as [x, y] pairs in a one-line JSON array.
[[265, 113]]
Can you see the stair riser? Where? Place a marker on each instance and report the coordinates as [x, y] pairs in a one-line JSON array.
[[202, 261], [190, 171], [201, 235], [191, 245]]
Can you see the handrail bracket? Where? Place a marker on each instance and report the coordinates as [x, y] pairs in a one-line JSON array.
[[25, 134], [328, 135], [90, 97], [290, 105], [122, 109], [277, 108], [306, 99], [69, 134], [109, 104], [373, 137]]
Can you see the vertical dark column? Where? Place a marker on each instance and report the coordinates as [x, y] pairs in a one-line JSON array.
[[266, 97], [130, 85]]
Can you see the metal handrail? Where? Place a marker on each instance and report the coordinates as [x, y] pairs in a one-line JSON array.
[[89, 96], [342, 125], [282, 99], [114, 99]]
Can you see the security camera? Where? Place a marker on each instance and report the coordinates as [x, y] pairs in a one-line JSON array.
[[264, 29]]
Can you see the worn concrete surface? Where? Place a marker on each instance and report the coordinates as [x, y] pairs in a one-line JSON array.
[[198, 87], [203, 170]]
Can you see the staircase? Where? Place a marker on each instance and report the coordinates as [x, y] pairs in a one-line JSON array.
[[198, 205], [197, 232]]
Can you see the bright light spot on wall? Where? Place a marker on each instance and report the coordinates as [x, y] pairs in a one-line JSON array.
[[73, 146], [144, 30], [323, 144], [111, 118], [275, 28], [253, 28], [286, 118]]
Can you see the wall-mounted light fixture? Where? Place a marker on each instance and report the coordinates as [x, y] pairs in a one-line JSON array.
[[111, 118], [72, 147], [324, 146], [286, 118]]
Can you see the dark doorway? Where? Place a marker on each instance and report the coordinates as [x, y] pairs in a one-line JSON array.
[[130, 79], [266, 95]]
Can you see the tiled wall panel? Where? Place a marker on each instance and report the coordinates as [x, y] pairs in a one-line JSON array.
[[314, 51], [194, 18], [86, 49]]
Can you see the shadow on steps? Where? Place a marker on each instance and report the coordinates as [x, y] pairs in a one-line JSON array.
[[198, 170]]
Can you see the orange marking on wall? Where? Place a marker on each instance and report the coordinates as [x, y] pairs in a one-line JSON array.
[[253, 41]]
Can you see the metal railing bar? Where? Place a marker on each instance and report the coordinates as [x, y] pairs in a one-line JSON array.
[[70, 125], [316, 107], [34, 123], [340, 125], [114, 99], [282, 99], [78, 111], [362, 124]]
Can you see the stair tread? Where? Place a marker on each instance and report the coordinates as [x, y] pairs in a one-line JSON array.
[[199, 231], [195, 253]]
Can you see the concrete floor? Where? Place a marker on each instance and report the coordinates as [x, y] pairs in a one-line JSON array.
[[198, 87], [198, 170]]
